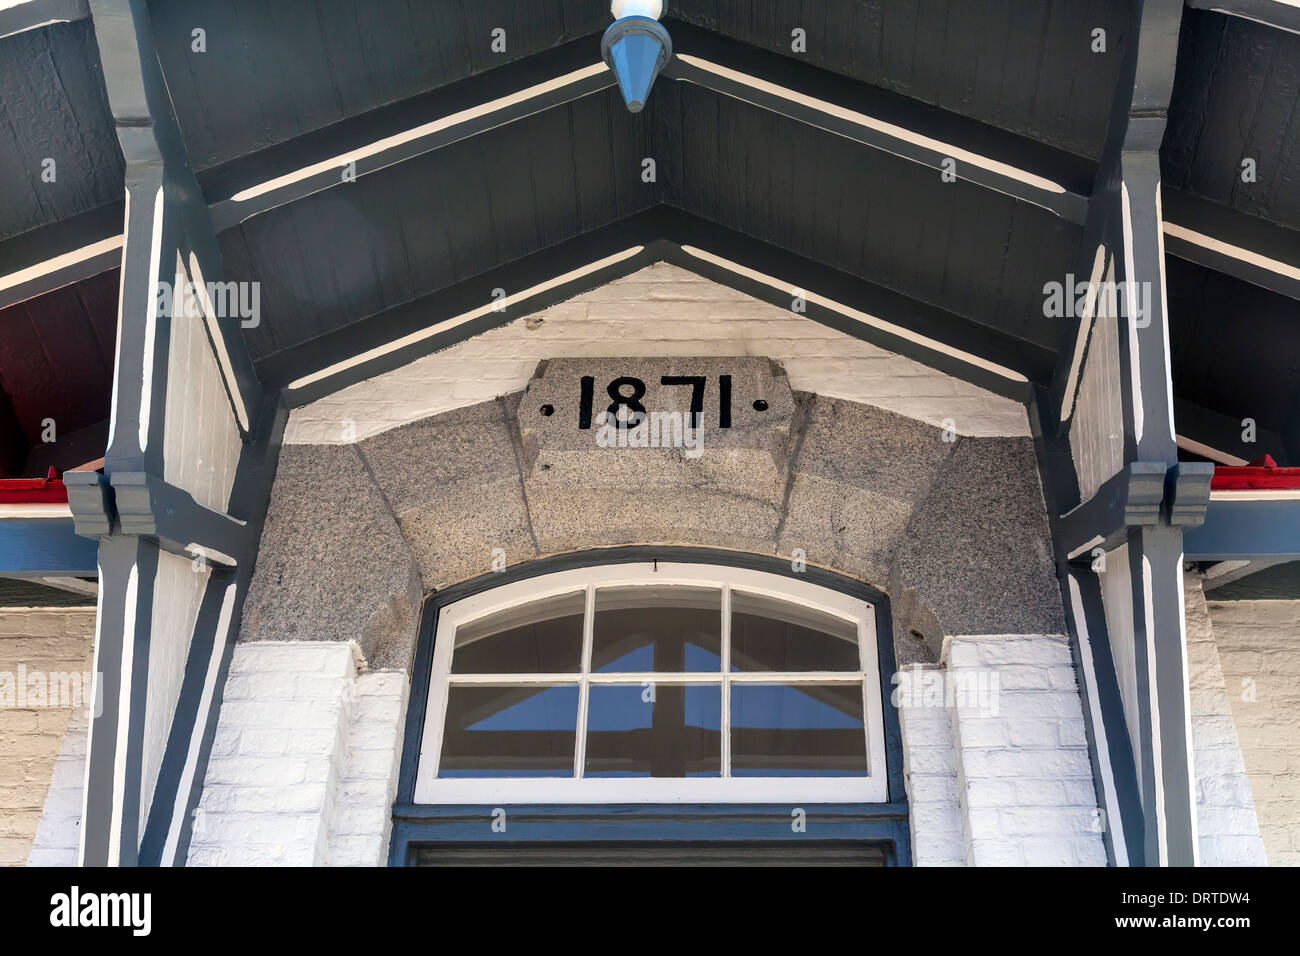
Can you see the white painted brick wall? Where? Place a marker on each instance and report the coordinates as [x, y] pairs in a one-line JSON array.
[[58, 837], [1002, 778], [930, 775], [662, 310], [303, 766], [363, 804], [1227, 829], [1257, 645], [36, 642]]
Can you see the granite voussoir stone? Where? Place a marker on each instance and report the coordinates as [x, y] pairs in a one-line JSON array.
[[978, 550], [332, 564], [453, 482], [857, 477]]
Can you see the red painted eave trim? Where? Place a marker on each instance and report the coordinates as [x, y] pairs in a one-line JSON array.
[[1263, 474], [32, 491]]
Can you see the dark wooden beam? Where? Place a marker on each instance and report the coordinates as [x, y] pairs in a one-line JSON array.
[[150, 507], [1232, 242], [993, 158], [1284, 16], [942, 340], [60, 254], [245, 187], [34, 14], [1131, 498]]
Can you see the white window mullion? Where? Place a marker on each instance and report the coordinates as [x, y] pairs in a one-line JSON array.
[[584, 685], [724, 724]]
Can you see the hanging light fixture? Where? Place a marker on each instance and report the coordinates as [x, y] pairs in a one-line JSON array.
[[636, 48]]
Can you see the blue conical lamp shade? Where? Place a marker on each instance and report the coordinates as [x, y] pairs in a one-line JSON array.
[[636, 48]]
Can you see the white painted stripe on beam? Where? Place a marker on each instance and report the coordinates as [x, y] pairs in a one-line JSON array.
[[123, 718], [62, 261], [151, 319], [1153, 702], [219, 641], [948, 150], [1255, 494], [1205, 451], [1164, 320], [96, 710], [34, 26], [1088, 545], [117, 362], [448, 324], [1264, 23], [1130, 294], [1114, 823], [418, 132], [863, 317], [1240, 253], [22, 509], [1085, 327], [218, 341]]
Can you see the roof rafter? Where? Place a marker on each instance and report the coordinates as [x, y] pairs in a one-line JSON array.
[[951, 343]]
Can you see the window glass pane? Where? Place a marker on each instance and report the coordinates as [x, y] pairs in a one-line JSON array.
[[509, 731], [658, 731], [788, 730], [768, 634], [544, 637], [670, 629]]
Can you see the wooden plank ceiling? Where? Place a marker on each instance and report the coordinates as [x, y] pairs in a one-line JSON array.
[[274, 74]]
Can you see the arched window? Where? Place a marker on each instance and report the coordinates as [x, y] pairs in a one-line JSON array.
[[653, 682]]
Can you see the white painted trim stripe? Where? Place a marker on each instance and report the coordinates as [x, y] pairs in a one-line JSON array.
[[1088, 545], [123, 718], [117, 359], [1164, 320], [1153, 702], [218, 341], [219, 641], [62, 261], [1114, 822], [1265, 23], [1085, 329], [418, 132], [1130, 293], [1205, 451], [96, 708], [20, 510], [1239, 253], [151, 319], [500, 304], [857, 316], [1255, 494], [870, 122]]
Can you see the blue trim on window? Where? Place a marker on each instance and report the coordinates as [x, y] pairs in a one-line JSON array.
[[415, 824]]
